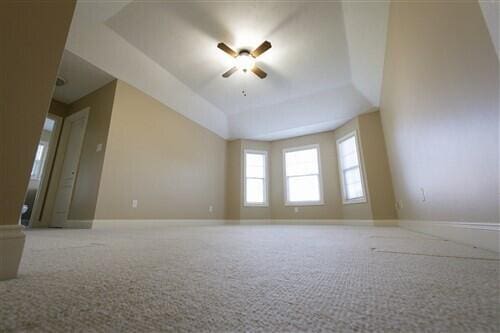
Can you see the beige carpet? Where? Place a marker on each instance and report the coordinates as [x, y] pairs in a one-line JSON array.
[[252, 279]]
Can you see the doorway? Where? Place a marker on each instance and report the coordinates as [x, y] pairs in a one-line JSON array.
[[72, 137], [40, 173]]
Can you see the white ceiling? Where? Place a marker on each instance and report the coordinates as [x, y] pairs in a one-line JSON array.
[[324, 68], [182, 38], [81, 78], [491, 14]]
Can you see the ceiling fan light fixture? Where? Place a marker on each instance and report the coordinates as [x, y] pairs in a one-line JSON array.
[[245, 61]]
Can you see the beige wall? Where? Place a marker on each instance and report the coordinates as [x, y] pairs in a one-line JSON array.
[[58, 108], [168, 149], [32, 36], [440, 111], [376, 167], [171, 165], [84, 199], [233, 180]]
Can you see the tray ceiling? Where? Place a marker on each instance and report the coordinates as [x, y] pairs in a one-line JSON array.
[[324, 68]]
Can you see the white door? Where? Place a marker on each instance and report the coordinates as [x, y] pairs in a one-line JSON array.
[[72, 134]]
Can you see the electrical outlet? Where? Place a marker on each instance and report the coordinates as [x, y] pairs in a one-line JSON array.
[[134, 203], [296, 209], [210, 208]]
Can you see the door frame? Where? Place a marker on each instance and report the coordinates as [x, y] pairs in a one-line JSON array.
[[41, 193], [61, 152]]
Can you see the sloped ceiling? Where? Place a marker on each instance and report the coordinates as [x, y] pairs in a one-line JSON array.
[[324, 68], [81, 78], [491, 14]]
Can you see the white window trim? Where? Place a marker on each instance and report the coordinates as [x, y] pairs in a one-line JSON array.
[[362, 199], [320, 174], [45, 145], [266, 179]]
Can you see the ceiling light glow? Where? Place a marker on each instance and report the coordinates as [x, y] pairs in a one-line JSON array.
[[245, 61]]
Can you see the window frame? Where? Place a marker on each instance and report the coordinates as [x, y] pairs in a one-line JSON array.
[[266, 178], [39, 172], [320, 177], [362, 199]]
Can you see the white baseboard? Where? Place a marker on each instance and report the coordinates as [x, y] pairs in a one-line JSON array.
[[192, 222], [393, 223], [481, 235], [386, 223], [249, 222], [12, 240], [78, 224], [169, 222], [363, 223], [323, 222]]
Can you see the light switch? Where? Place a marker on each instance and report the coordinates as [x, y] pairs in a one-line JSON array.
[[210, 208], [99, 147], [134, 203]]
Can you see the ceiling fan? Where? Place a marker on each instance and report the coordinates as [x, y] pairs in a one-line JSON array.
[[245, 60]]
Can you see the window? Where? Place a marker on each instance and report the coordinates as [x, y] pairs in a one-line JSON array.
[[36, 172], [255, 178], [302, 176], [350, 169]]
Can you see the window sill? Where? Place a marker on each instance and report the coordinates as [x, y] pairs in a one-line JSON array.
[[354, 201], [306, 203], [249, 205]]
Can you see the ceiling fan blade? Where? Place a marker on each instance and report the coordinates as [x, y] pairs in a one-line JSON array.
[[227, 49], [230, 72], [259, 72], [261, 49]]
